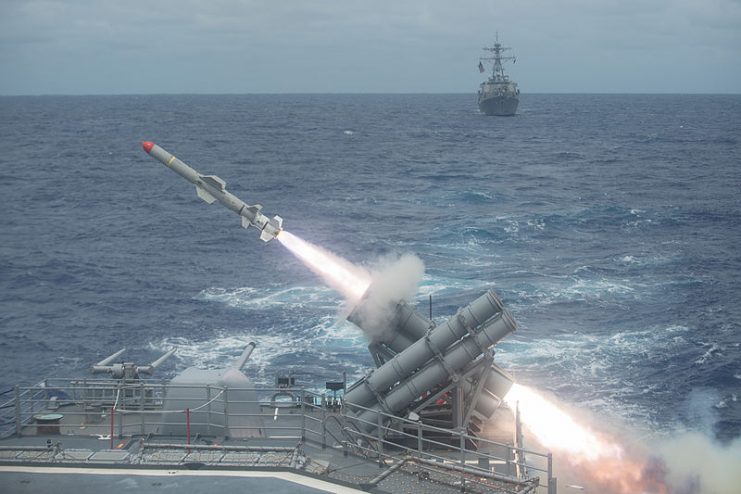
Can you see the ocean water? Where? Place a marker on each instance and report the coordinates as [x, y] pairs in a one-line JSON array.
[[609, 224]]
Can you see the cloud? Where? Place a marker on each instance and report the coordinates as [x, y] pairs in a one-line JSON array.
[[361, 46]]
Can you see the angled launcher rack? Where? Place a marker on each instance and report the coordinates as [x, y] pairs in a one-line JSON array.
[[444, 375]]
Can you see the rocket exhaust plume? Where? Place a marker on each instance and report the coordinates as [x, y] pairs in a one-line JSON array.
[[555, 429], [340, 274], [595, 456]]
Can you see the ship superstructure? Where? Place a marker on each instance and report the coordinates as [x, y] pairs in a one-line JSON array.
[[498, 95]]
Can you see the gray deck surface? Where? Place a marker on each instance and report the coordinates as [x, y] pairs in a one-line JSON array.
[[123, 481], [85, 461]]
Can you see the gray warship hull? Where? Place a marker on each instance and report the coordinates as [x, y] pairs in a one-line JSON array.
[[498, 95], [500, 106]]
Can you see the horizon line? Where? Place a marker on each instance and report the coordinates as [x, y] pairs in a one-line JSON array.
[[26, 95]]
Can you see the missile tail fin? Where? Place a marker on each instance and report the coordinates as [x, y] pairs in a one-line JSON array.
[[271, 229], [208, 198], [214, 181]]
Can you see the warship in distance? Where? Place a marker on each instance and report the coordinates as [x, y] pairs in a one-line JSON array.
[[498, 95]]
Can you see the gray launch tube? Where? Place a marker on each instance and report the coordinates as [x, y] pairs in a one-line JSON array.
[[495, 387], [406, 327], [435, 343], [439, 370]]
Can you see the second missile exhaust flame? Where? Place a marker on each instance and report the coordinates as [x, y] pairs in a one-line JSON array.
[[554, 428], [594, 456]]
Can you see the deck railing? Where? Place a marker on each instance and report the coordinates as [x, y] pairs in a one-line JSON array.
[[119, 410]]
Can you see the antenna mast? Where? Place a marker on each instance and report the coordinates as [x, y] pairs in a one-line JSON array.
[[497, 73]]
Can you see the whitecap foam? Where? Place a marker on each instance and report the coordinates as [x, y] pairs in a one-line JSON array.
[[645, 259], [511, 226], [581, 368], [443, 286], [247, 297], [222, 350], [484, 195], [576, 289], [709, 353], [537, 224]]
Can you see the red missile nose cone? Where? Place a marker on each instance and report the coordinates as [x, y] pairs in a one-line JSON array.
[[147, 145]]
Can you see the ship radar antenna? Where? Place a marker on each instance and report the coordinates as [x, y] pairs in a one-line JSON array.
[[497, 72]]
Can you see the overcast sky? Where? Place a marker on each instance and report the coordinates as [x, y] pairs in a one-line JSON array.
[[404, 46]]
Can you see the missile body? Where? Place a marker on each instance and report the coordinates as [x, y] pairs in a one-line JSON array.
[[211, 188]]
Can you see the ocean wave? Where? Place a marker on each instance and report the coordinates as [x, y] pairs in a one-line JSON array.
[[248, 297], [477, 197], [617, 256], [572, 289], [713, 350], [328, 342], [596, 366]]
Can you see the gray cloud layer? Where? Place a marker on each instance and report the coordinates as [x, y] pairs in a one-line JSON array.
[[217, 46]]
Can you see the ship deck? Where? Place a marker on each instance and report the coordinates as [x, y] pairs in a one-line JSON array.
[[91, 435]]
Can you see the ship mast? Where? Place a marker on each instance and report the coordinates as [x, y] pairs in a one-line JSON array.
[[497, 73]]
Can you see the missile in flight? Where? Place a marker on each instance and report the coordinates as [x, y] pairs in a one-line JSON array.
[[211, 189]]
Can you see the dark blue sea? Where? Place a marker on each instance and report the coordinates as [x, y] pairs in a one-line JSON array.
[[609, 224]]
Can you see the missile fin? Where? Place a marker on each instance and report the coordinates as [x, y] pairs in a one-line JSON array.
[[245, 222], [266, 237], [214, 181], [205, 195]]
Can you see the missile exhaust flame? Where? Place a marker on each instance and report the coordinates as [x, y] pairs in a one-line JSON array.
[[348, 279], [595, 456], [556, 429]]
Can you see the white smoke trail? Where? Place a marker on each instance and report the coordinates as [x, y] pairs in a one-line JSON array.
[[394, 279], [340, 274], [699, 466]]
